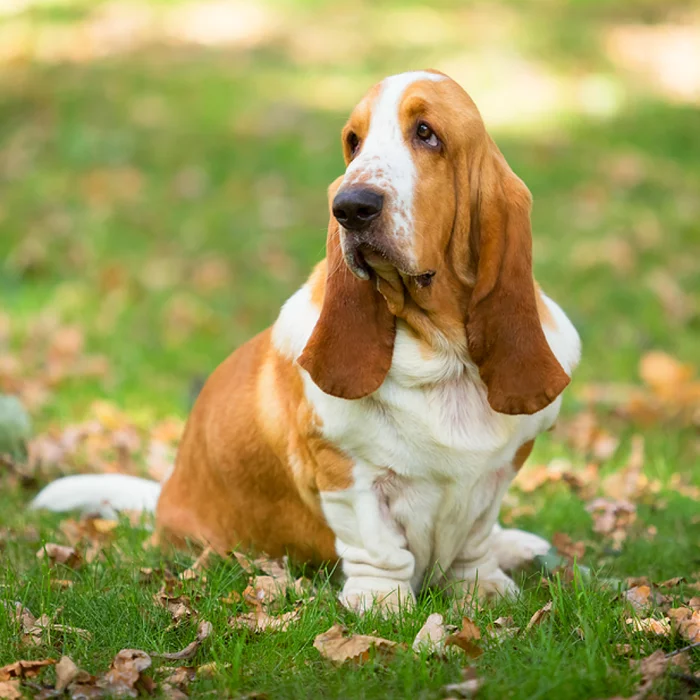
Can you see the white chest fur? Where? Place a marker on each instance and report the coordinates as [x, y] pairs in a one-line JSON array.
[[431, 459]]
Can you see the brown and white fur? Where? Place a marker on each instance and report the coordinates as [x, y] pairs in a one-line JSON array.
[[382, 417]]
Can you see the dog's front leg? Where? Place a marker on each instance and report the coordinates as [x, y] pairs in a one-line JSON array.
[[377, 565], [477, 570]]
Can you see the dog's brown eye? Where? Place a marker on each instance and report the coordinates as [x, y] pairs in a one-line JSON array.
[[427, 135], [353, 142]]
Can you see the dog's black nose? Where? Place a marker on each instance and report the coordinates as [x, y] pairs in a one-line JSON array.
[[356, 207]]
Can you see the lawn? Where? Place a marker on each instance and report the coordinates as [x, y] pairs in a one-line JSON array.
[[163, 169]]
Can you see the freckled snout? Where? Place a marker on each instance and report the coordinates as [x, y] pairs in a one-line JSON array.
[[356, 207]]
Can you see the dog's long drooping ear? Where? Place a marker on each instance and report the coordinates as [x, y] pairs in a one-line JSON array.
[[504, 334], [349, 352]]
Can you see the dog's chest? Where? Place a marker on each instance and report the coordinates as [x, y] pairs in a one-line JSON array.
[[436, 456]]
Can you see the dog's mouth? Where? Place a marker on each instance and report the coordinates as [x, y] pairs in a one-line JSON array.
[[366, 260]]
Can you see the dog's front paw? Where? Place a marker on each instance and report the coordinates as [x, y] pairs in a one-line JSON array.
[[364, 594], [514, 549]]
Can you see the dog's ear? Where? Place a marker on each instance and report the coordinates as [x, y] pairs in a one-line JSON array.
[[504, 333], [350, 350]]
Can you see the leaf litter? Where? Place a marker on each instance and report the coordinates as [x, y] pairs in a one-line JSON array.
[[337, 646]]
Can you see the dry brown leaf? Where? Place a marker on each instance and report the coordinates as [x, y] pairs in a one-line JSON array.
[[567, 547], [260, 621], [172, 693], [612, 519], [671, 582], [264, 590], [177, 605], [204, 630], [66, 673], [624, 649], [180, 676], [125, 672], [664, 373], [582, 481], [339, 648], [469, 685], [9, 690], [466, 639], [686, 622], [540, 616], [91, 532], [62, 583], [650, 625], [277, 568], [60, 554], [24, 669], [201, 563], [651, 668], [501, 628], [431, 636], [639, 597], [694, 603], [585, 435]]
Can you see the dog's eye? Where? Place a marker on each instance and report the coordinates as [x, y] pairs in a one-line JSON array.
[[353, 143], [427, 135]]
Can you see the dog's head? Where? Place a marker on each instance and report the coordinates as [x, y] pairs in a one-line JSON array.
[[429, 210]]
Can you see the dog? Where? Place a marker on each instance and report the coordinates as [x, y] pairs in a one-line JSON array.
[[380, 420]]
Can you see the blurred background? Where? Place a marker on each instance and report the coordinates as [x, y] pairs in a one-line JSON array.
[[163, 168]]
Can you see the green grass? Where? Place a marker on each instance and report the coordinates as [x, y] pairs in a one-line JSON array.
[[123, 177]]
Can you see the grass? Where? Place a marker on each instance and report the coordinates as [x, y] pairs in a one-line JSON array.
[[167, 197]]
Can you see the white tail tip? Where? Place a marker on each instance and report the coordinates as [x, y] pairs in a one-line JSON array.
[[99, 493]]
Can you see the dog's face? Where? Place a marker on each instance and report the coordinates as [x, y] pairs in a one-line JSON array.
[[428, 208], [407, 146]]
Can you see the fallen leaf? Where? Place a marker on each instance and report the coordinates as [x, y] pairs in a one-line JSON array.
[[501, 628], [204, 630], [542, 614], [125, 672], [277, 568], [469, 685], [178, 605], [681, 660], [671, 582], [260, 621], [339, 648], [651, 668], [431, 636], [24, 669], [584, 433], [664, 373], [567, 547], [639, 597], [66, 672], [265, 590], [466, 639], [172, 693], [180, 676], [612, 519], [686, 622], [9, 690], [60, 554], [624, 649], [195, 571], [650, 625]]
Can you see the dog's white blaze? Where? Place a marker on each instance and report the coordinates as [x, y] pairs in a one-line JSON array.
[[385, 159]]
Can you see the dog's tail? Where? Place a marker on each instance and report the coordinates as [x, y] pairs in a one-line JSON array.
[[99, 493]]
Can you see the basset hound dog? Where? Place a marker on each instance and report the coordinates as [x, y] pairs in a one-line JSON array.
[[380, 420]]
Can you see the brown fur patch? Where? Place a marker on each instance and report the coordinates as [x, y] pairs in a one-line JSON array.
[[522, 454]]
